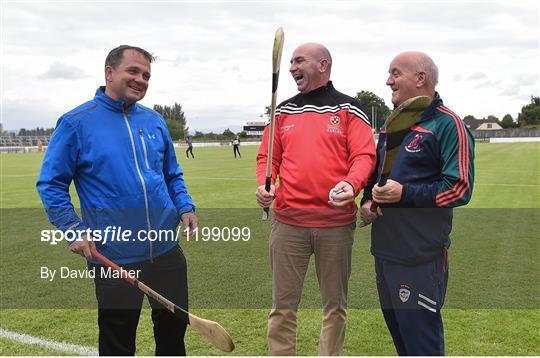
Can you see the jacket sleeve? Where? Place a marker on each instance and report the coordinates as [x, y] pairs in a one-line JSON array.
[[456, 145], [262, 155], [367, 194], [57, 171], [174, 177], [362, 155]]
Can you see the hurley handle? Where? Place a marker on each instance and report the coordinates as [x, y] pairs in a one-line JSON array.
[[266, 211], [382, 182]]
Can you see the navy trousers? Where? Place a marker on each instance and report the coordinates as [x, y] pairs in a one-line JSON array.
[[411, 298]]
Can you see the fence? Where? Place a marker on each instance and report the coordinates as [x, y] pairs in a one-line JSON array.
[[506, 133], [23, 144], [216, 144], [24, 141]]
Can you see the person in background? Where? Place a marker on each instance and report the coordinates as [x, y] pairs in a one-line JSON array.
[[236, 146], [189, 150]]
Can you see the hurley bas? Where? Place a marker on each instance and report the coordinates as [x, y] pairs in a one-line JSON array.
[[49, 274]]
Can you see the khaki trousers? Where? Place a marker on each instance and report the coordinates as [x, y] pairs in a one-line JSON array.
[[290, 250]]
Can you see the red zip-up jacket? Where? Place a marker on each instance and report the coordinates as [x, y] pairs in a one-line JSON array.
[[320, 138]]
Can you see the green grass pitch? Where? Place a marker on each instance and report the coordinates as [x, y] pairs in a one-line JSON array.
[[493, 299]]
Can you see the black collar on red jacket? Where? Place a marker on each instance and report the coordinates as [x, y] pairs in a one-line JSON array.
[[321, 90]]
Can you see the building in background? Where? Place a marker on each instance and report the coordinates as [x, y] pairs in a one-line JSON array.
[[481, 124]]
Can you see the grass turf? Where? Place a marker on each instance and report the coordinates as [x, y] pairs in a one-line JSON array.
[[492, 302]]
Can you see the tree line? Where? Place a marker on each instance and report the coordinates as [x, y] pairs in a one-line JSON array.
[[30, 132], [227, 135], [175, 119], [529, 117], [371, 104]]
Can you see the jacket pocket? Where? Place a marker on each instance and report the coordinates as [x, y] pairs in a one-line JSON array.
[[145, 149], [153, 150]]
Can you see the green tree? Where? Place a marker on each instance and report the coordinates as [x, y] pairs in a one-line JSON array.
[[530, 113], [176, 130], [491, 117], [177, 114], [468, 117], [369, 102], [508, 122], [227, 133], [174, 114], [35, 131]]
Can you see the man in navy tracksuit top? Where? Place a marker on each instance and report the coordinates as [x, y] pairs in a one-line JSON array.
[[432, 173], [121, 158]]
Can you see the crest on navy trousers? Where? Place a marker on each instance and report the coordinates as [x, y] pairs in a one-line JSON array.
[[404, 293]]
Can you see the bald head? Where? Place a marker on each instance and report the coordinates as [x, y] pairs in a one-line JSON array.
[[311, 64], [412, 73], [318, 51], [421, 62]]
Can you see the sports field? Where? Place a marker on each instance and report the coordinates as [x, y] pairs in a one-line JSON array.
[[493, 299]]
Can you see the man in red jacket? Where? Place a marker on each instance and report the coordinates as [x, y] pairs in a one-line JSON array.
[[323, 154]]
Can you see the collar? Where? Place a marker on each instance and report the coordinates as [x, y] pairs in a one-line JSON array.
[[108, 102], [430, 111], [327, 87]]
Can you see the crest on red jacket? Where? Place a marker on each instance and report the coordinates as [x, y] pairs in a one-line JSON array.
[[334, 126]]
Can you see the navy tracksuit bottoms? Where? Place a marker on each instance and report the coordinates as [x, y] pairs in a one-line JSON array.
[[411, 299]]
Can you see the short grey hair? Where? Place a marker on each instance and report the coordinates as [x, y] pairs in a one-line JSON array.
[[425, 64], [326, 54]]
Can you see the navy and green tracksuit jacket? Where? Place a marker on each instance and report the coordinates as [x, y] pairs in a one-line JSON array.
[[435, 166]]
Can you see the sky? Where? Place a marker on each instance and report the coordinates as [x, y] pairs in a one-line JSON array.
[[215, 57]]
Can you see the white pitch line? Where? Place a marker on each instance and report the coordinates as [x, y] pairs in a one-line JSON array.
[[57, 346], [494, 184]]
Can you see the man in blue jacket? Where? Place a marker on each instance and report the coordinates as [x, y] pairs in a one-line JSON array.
[[432, 173], [121, 158]]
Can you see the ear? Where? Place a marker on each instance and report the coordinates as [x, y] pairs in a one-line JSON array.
[[108, 73], [323, 65], [421, 79]]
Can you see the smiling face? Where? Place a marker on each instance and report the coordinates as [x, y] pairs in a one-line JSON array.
[[129, 80], [403, 79], [309, 68]]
